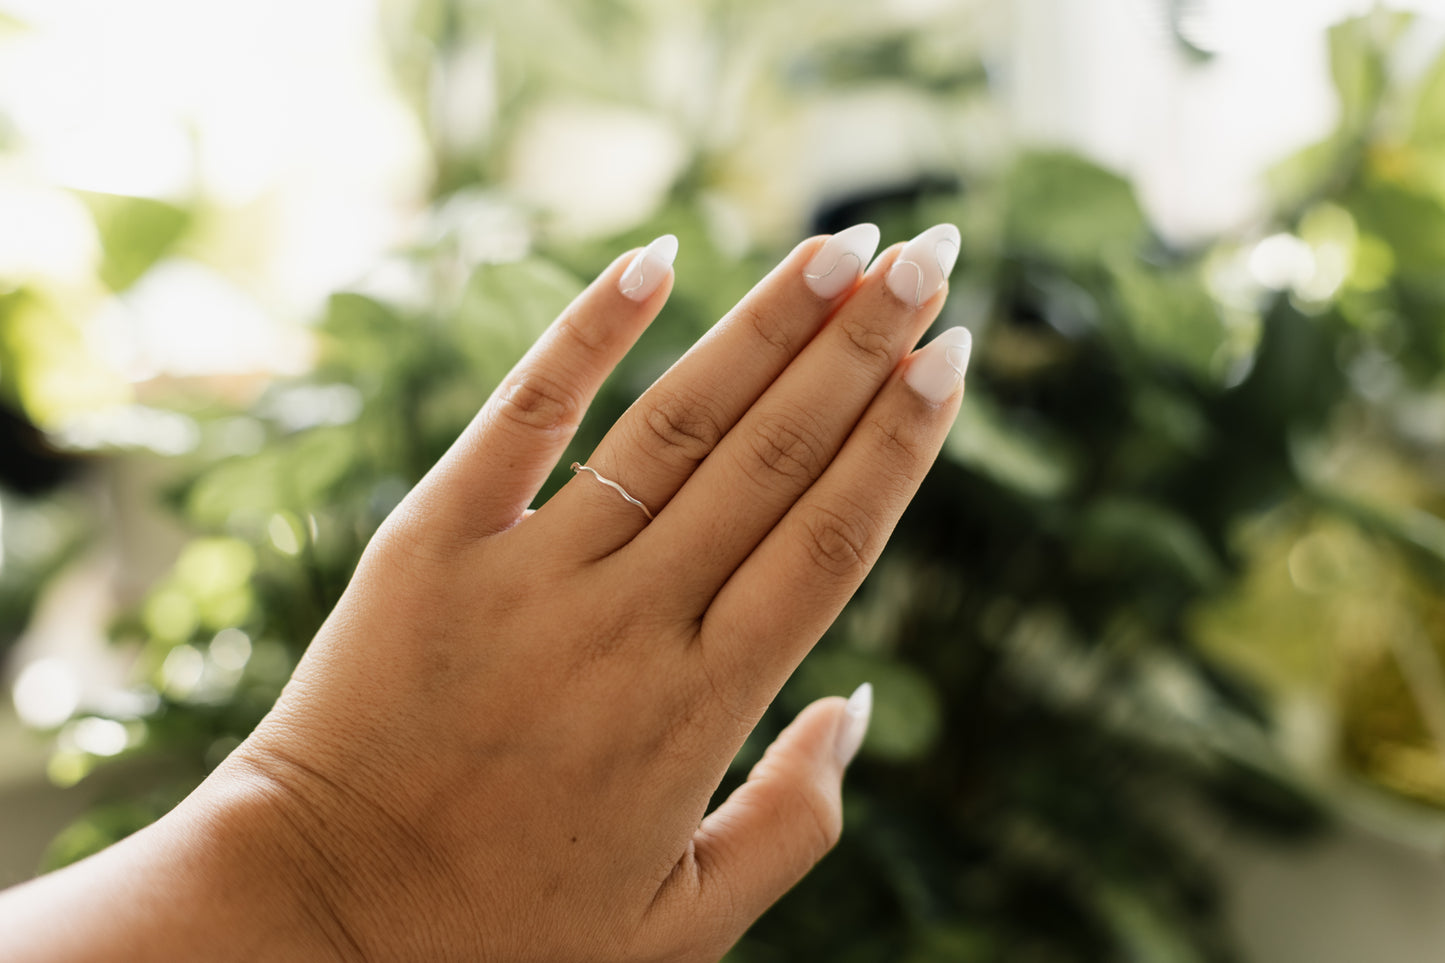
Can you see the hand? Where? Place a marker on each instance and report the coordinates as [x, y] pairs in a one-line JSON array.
[[503, 742]]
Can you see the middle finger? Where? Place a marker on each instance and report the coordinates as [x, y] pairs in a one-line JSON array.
[[783, 444]]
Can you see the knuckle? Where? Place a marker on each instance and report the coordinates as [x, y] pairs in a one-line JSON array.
[[589, 341], [816, 812], [867, 342], [839, 543], [683, 427], [537, 403], [682, 732], [410, 535], [728, 698], [898, 442], [787, 446], [769, 331]]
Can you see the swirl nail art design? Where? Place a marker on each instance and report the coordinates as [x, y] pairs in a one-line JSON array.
[[957, 358], [936, 371], [931, 256], [641, 279], [837, 264], [648, 269], [828, 274]]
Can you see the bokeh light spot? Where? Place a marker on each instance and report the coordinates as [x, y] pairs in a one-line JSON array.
[[181, 673], [283, 534], [46, 693], [99, 737], [231, 649]]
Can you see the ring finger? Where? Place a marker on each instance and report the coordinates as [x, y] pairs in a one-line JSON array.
[[658, 443]]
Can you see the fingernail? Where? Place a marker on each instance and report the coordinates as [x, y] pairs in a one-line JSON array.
[[840, 262], [937, 370], [648, 268], [924, 264], [855, 723]]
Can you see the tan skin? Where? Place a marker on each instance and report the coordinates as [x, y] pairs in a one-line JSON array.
[[503, 742]]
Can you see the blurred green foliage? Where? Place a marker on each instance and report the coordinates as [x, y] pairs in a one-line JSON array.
[[134, 233], [1176, 497]]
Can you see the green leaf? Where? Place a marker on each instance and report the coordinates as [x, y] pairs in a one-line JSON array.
[[364, 337], [1428, 126], [1130, 536], [884, 56], [1357, 66], [1308, 172], [1064, 208], [1018, 455], [1145, 932], [907, 713], [958, 941], [135, 233], [1170, 315], [47, 366], [506, 307], [1411, 223], [1422, 533], [295, 474]]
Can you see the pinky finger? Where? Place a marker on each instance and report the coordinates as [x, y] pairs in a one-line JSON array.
[[778, 603]]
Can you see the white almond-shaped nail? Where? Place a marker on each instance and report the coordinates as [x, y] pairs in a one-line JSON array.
[[937, 370], [855, 723], [924, 264], [840, 262], [648, 268]]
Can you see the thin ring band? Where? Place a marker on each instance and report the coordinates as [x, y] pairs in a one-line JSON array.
[[578, 466]]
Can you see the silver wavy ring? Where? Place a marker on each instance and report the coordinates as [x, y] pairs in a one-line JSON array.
[[578, 466]]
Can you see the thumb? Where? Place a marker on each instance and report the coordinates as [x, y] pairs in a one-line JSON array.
[[784, 819]]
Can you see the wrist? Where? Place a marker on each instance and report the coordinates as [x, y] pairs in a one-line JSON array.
[[219, 878], [330, 841], [255, 874]]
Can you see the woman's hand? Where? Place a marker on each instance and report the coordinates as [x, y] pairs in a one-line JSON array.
[[502, 744]]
